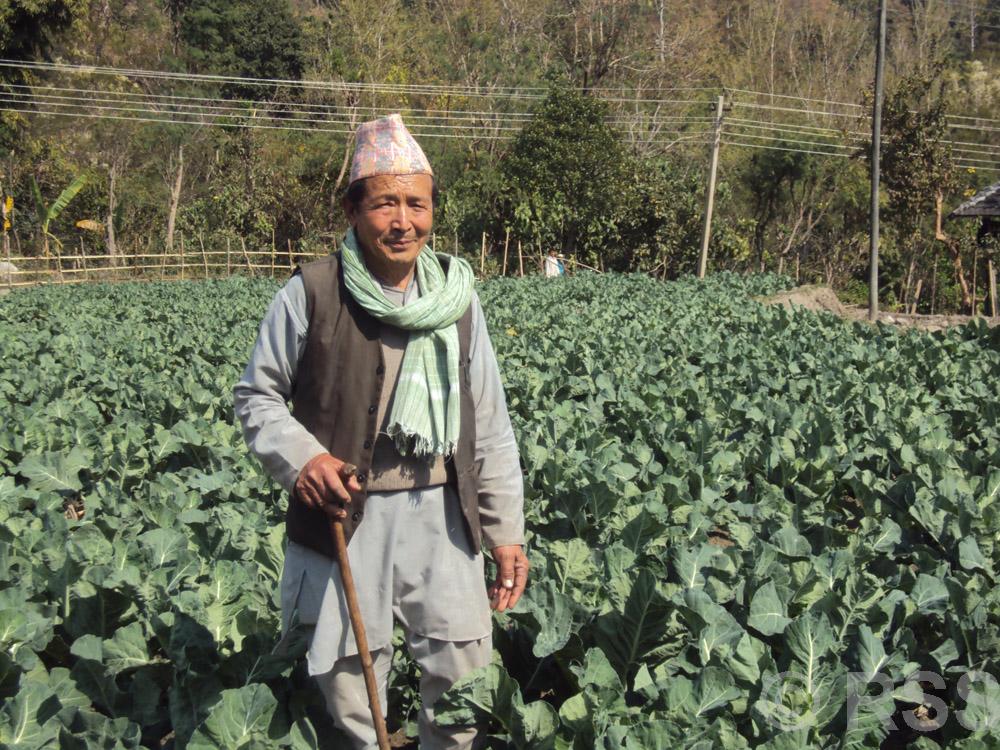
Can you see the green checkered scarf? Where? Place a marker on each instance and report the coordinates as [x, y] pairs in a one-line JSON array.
[[424, 420]]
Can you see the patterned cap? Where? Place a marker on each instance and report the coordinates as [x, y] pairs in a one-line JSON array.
[[385, 146]]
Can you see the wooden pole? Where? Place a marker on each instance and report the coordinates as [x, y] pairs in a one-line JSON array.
[[229, 267], [204, 255], [59, 267], [358, 625], [182, 256], [482, 258], [875, 166], [916, 296], [993, 288], [274, 252], [933, 285], [83, 258], [706, 234], [506, 242], [975, 281], [6, 252], [520, 258], [291, 263], [246, 257]]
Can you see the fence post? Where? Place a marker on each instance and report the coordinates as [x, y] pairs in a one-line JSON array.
[[993, 288], [520, 258], [975, 281], [6, 252], [83, 259], [291, 263], [182, 256], [482, 258], [229, 269], [506, 242], [59, 267], [706, 234], [274, 252], [204, 257], [246, 257]]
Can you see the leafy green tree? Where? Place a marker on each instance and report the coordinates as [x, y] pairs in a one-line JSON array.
[[28, 30], [252, 38], [917, 172], [563, 177]]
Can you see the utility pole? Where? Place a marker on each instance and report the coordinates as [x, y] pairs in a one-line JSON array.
[[876, 153], [710, 201]]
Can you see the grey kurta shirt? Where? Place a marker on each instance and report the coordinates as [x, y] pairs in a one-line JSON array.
[[310, 583]]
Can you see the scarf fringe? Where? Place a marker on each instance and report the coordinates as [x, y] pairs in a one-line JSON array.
[[411, 443]]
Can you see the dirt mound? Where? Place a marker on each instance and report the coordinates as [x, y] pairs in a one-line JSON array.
[[815, 298], [824, 299]]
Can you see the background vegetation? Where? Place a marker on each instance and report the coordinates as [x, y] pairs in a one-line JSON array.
[[596, 173]]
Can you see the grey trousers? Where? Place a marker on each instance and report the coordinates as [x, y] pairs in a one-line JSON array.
[[442, 663]]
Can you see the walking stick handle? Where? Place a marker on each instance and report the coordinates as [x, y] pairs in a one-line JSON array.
[[354, 610]]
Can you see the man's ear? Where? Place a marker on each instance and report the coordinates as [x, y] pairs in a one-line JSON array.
[[350, 211]]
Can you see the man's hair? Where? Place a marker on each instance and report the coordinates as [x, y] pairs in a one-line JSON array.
[[356, 192]]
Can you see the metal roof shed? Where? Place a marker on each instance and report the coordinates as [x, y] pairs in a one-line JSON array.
[[984, 203]]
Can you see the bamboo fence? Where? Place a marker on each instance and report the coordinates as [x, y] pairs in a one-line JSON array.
[[192, 259]]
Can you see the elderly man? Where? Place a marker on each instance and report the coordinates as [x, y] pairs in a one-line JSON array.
[[383, 350]]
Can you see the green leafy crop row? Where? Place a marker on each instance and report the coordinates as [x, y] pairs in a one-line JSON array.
[[718, 494]]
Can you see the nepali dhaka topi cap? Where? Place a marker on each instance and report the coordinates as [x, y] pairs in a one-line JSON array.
[[385, 146]]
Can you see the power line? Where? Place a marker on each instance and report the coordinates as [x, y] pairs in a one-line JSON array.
[[315, 129], [86, 97], [414, 89], [781, 148], [790, 96]]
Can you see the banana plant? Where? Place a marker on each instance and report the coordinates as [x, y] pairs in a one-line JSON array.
[[48, 214]]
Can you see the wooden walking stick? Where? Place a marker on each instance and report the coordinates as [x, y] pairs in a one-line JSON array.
[[357, 624]]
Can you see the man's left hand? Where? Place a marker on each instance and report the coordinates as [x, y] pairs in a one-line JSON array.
[[512, 576]]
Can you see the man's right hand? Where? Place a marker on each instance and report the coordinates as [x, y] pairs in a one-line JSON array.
[[323, 484]]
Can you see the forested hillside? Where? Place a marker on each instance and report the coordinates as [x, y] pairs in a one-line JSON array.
[[579, 124]]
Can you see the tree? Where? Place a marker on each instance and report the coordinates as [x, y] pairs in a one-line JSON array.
[[563, 178], [250, 38], [27, 32], [917, 172]]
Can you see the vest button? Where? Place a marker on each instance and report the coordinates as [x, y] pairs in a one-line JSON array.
[[372, 409], [356, 517], [380, 370], [362, 478], [368, 444]]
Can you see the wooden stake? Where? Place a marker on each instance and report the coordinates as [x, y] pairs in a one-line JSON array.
[[229, 267], [933, 285], [482, 258], [6, 252], [975, 290], [291, 263], [520, 258], [506, 242], [993, 288], [916, 296], [246, 257], [83, 258], [62, 279], [182, 256], [274, 252], [204, 256]]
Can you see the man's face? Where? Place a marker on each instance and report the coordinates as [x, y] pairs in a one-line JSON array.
[[394, 219]]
